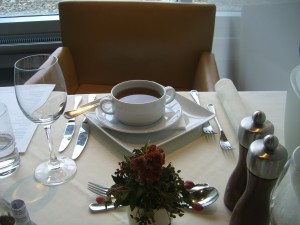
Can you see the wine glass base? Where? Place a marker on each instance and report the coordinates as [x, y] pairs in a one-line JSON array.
[[54, 174]]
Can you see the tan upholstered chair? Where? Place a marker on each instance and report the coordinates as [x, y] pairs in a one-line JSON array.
[[105, 43]]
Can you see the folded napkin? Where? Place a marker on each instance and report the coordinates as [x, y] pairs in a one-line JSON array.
[[231, 102], [179, 125]]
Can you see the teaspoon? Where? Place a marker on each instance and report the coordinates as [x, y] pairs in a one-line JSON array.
[[203, 195]]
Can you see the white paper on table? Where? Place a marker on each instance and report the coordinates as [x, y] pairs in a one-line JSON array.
[[23, 128]]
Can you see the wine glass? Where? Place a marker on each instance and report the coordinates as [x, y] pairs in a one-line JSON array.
[[41, 94]]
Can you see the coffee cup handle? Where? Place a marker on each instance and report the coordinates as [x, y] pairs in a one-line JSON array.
[[107, 106], [170, 94]]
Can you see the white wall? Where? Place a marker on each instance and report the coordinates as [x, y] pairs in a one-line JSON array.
[[226, 43], [269, 46], [259, 47]]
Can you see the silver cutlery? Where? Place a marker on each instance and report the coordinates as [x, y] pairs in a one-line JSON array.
[[224, 143], [206, 127], [82, 109], [100, 190], [202, 194], [83, 134], [97, 189], [70, 127], [95, 207]]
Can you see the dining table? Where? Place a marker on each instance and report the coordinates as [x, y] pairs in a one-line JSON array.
[[197, 155]]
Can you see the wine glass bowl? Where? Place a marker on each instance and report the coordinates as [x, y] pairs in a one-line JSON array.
[[41, 95]]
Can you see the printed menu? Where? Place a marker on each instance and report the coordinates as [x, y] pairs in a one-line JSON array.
[[23, 128]]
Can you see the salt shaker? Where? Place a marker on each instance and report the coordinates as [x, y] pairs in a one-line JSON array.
[[20, 212], [265, 161], [251, 128]]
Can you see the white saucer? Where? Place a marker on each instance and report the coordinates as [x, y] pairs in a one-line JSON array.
[[172, 115]]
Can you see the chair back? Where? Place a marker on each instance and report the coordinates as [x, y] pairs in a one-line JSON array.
[[111, 42]]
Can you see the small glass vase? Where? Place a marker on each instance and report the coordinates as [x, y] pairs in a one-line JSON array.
[[161, 217], [285, 198]]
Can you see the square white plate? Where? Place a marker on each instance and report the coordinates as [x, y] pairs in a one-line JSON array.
[[194, 116]]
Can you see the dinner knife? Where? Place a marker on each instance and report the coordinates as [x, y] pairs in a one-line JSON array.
[[70, 127], [83, 134]]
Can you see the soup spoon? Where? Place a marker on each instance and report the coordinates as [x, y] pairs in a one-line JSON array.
[[204, 195]]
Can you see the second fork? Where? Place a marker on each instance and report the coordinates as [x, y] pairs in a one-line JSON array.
[[224, 143]]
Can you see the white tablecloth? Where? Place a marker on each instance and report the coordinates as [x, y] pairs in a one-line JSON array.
[[200, 159]]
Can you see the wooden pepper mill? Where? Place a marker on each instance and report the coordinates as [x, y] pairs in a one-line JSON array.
[[265, 161], [251, 128]]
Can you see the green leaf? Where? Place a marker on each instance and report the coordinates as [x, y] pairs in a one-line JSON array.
[[139, 193]]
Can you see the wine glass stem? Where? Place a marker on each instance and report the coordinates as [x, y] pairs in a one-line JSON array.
[[53, 158]]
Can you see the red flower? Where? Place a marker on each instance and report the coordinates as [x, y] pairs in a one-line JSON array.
[[142, 181], [148, 166], [151, 148], [138, 163]]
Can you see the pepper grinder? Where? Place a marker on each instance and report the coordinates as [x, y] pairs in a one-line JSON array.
[[251, 128], [265, 161]]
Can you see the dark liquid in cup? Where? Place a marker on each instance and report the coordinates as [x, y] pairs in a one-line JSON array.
[[138, 95]]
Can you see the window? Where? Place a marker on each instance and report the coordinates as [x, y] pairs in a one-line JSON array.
[[26, 25], [12, 8]]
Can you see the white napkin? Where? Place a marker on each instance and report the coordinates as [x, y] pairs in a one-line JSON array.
[[180, 125], [231, 102]]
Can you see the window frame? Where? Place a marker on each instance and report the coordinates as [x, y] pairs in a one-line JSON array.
[[21, 36]]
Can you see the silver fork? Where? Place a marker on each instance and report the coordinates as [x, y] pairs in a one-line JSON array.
[[206, 127], [97, 189], [224, 143]]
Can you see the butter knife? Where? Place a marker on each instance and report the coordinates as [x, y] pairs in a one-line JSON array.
[[95, 207], [70, 127], [83, 134]]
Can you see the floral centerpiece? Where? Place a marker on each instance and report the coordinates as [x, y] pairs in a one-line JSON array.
[[142, 182]]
